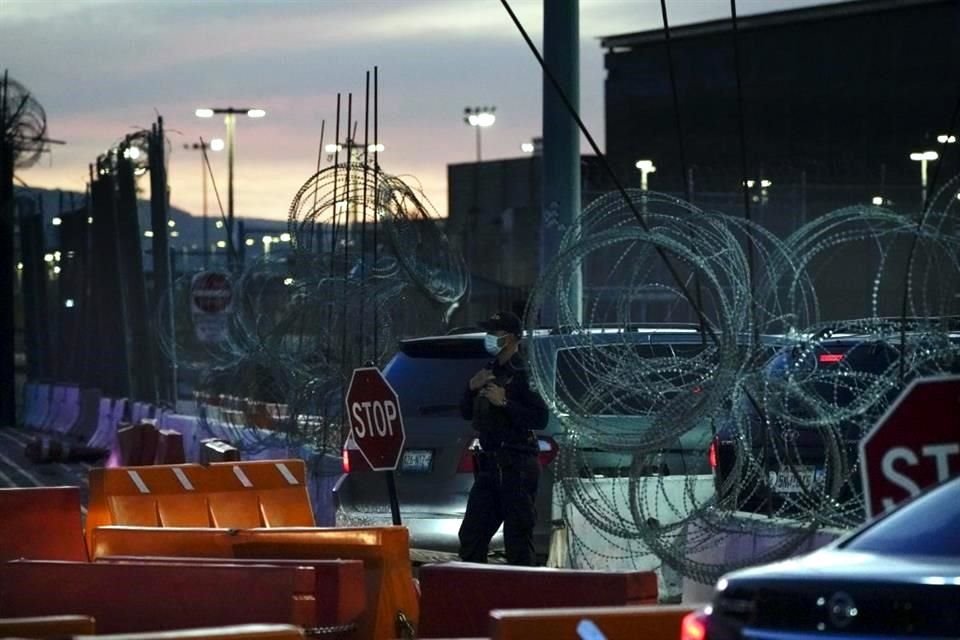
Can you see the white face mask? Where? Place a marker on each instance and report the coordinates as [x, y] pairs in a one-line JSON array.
[[494, 344]]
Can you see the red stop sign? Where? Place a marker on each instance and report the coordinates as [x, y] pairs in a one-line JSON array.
[[375, 421], [211, 292], [915, 445]]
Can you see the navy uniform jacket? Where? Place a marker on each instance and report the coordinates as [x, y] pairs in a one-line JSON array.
[[510, 427]]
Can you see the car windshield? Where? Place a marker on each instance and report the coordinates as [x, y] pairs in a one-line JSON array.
[[928, 526]]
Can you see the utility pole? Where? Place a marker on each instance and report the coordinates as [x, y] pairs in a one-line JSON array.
[[561, 147]]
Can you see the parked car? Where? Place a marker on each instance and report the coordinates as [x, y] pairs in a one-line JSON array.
[[896, 577], [819, 397], [435, 473]]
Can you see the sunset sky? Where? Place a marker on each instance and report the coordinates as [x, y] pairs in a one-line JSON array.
[[102, 68]]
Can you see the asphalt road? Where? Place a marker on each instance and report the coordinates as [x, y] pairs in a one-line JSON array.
[[17, 471]]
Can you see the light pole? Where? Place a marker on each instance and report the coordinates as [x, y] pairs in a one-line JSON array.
[[646, 168], [923, 157], [479, 118], [214, 145], [230, 120]]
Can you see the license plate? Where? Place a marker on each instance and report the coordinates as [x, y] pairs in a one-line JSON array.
[[416, 460], [787, 480]]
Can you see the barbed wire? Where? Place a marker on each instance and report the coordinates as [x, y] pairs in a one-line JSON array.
[[24, 123], [639, 414], [369, 266]]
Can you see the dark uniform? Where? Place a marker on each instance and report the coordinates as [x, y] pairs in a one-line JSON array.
[[507, 470]]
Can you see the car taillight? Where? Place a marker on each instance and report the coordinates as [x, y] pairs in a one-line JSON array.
[[351, 460], [694, 626], [548, 450], [830, 358], [466, 460], [712, 454]]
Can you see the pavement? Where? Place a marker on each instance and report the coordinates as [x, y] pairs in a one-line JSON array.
[[17, 471]]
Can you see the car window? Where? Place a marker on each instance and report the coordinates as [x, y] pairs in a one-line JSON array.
[[431, 385], [837, 372], [591, 378], [928, 526]]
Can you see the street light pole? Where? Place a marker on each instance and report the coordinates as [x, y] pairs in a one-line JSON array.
[[230, 121], [923, 157], [646, 167], [478, 118]]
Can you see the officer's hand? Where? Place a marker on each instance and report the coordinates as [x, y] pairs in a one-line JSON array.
[[481, 378], [495, 394]]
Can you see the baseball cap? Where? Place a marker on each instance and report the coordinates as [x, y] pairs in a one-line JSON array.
[[503, 321]]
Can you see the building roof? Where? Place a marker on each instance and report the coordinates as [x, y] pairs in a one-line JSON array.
[[765, 20]]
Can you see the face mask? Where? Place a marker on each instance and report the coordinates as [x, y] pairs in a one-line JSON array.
[[493, 344]]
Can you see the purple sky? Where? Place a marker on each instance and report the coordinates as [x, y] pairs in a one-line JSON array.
[[101, 68]]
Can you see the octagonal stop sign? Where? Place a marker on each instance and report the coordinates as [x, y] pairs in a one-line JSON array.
[[915, 445], [375, 421]]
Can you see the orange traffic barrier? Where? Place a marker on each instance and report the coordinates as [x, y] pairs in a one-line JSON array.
[[156, 596], [46, 626], [230, 495], [385, 552], [655, 622], [240, 632], [42, 523], [446, 612], [340, 591], [271, 493], [164, 495]]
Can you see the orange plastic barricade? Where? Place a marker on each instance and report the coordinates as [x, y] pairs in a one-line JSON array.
[[340, 592], [228, 495], [162, 495], [654, 622], [447, 613], [252, 494], [46, 626], [42, 523], [145, 596], [239, 632], [186, 542], [385, 552]]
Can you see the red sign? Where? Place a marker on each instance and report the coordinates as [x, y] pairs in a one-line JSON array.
[[375, 421], [211, 292], [915, 445]]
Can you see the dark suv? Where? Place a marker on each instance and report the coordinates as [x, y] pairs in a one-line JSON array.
[[792, 446]]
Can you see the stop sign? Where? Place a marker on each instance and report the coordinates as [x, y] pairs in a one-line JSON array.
[[210, 292], [375, 421], [915, 445]]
